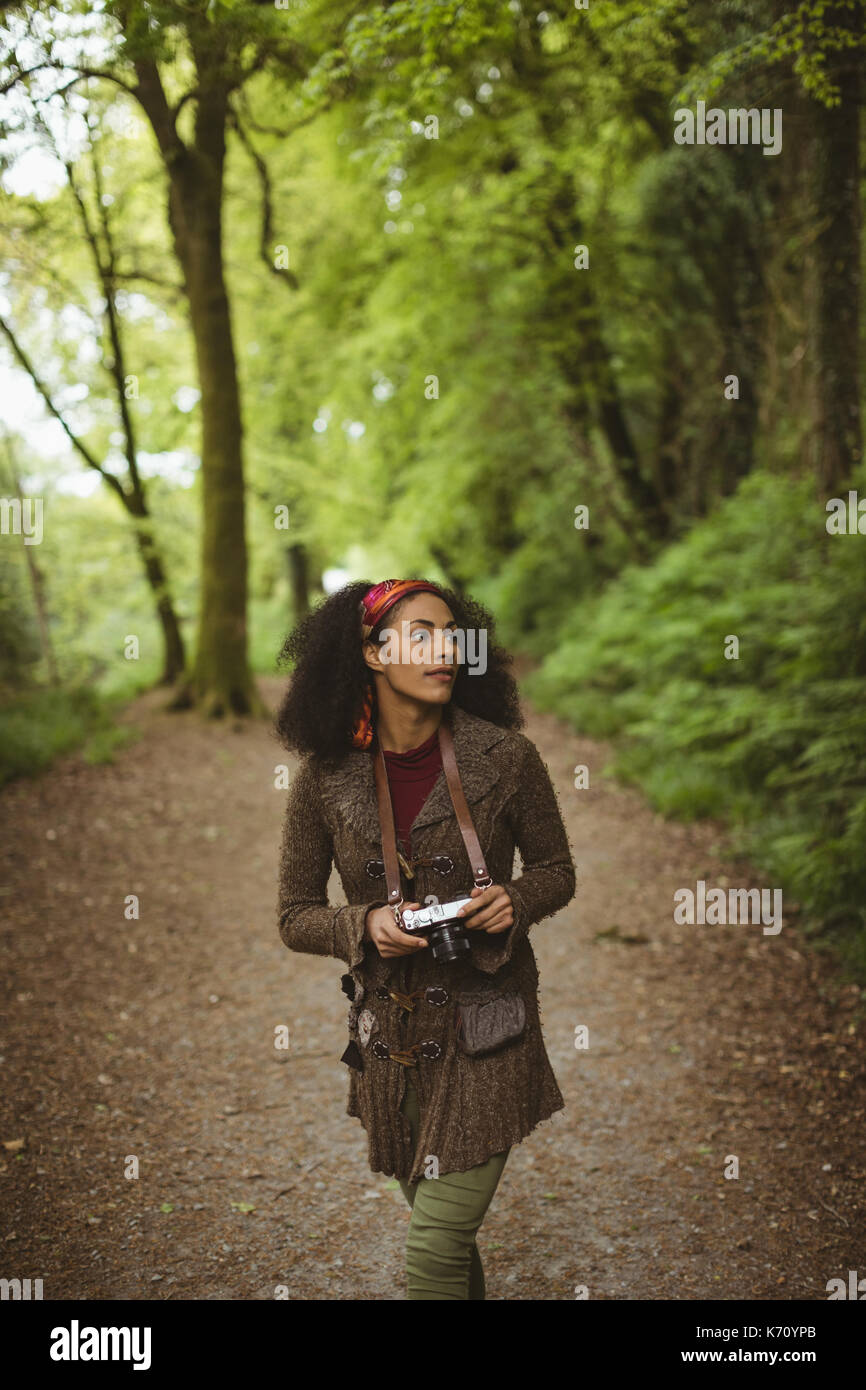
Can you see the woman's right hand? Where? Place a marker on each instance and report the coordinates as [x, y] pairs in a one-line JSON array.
[[382, 930]]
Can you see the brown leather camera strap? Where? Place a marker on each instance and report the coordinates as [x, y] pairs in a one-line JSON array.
[[386, 823], [461, 810]]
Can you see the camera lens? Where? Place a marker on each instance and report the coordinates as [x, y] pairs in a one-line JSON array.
[[449, 943]]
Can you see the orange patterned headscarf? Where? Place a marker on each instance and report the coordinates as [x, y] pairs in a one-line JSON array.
[[373, 607]]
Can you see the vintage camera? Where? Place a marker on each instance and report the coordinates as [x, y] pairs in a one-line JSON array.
[[447, 933]]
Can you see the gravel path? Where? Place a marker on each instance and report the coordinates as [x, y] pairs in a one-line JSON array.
[[150, 1041]]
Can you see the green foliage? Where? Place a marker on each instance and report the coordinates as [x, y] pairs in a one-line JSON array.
[[36, 729], [107, 740], [96, 598], [19, 645], [773, 742], [801, 38]]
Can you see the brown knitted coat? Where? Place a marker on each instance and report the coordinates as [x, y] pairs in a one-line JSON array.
[[471, 1107]]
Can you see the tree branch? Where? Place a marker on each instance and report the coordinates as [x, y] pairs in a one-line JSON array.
[[284, 132], [266, 234], [77, 443], [105, 270], [151, 94], [173, 286], [61, 67]]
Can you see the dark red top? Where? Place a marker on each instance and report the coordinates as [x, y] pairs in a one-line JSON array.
[[411, 777]]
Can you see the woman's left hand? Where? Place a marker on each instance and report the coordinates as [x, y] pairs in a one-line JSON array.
[[492, 910]]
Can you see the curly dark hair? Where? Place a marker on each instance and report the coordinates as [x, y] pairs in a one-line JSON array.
[[330, 676]]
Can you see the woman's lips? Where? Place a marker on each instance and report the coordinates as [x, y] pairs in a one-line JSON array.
[[440, 675]]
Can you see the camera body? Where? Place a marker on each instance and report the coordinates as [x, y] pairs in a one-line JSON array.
[[439, 922]]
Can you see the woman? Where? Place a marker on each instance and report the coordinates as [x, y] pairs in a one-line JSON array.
[[383, 666]]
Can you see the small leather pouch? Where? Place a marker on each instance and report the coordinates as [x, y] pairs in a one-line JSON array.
[[487, 1024], [353, 1056]]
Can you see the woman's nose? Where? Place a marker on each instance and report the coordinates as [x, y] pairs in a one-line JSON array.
[[442, 649]]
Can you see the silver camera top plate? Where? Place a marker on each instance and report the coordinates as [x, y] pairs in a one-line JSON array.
[[419, 919]]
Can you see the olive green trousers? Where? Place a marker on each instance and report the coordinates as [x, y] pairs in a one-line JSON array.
[[442, 1258]]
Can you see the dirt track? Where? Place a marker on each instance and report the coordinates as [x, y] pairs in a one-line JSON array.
[[154, 1038]]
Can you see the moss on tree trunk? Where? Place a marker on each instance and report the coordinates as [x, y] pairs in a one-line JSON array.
[[221, 682]]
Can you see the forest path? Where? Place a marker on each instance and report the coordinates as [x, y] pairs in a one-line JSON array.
[[154, 1038]]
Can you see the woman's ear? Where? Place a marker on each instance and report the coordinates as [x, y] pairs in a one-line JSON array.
[[372, 656]]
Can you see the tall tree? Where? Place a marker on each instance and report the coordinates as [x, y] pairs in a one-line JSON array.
[[835, 264], [39, 228], [34, 573], [195, 169], [822, 47], [183, 63]]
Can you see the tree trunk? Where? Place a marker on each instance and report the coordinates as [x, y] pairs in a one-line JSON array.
[[296, 558], [586, 365], [221, 680], [37, 587], [738, 317], [834, 297], [572, 302], [173, 654], [670, 470]]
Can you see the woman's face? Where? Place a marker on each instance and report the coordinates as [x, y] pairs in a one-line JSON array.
[[418, 656]]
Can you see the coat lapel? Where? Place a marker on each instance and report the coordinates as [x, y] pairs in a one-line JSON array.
[[350, 787]]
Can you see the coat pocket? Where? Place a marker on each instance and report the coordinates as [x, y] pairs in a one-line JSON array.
[[485, 1025]]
